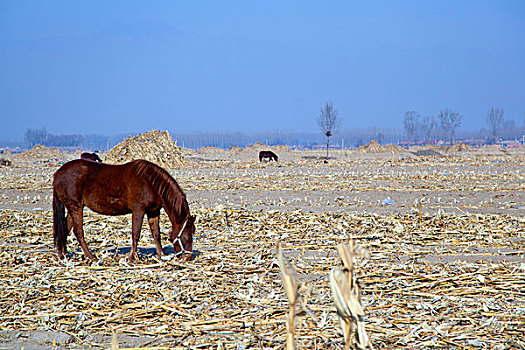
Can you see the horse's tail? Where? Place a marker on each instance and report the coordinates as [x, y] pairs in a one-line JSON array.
[[60, 230]]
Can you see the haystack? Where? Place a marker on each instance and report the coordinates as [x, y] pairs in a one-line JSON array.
[[281, 148], [393, 148], [459, 147], [154, 146], [41, 152], [210, 150], [187, 151], [371, 147], [374, 147], [430, 146], [234, 149]]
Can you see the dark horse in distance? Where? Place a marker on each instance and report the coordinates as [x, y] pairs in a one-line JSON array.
[[90, 156], [268, 155], [138, 187]]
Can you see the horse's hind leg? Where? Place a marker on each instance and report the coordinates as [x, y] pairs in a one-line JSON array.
[[75, 219], [153, 222], [69, 223]]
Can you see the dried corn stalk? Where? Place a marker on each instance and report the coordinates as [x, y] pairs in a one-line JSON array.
[[114, 342], [347, 297], [293, 288]]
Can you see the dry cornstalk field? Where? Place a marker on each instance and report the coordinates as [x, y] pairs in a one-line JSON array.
[[446, 269]]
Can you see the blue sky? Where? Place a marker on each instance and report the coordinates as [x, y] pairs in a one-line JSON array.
[[114, 67]]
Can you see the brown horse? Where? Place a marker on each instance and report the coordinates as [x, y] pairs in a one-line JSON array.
[[269, 155], [138, 187], [90, 156]]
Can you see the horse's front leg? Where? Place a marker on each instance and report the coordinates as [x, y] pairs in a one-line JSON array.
[[136, 224], [153, 222]]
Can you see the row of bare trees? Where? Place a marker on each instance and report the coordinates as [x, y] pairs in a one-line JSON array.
[[40, 136], [445, 125], [448, 121], [428, 127]]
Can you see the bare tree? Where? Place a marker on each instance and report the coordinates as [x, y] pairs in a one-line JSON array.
[[411, 124], [455, 122], [495, 120], [444, 123], [328, 122], [449, 121], [510, 130], [428, 125], [35, 136]]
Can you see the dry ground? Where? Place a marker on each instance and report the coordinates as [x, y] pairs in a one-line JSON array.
[[446, 238]]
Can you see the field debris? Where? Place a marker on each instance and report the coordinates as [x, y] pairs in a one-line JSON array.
[[445, 281], [154, 146], [446, 265]]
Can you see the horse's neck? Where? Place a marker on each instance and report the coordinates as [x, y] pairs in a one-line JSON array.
[[178, 217]]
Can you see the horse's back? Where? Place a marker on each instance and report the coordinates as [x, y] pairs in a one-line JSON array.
[[104, 188], [73, 174], [79, 168], [76, 168]]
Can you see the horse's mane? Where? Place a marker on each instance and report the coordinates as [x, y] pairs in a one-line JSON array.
[[165, 185]]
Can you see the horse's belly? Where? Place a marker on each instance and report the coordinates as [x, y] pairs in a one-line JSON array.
[[108, 205]]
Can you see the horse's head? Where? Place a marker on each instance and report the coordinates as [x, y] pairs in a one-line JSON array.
[[182, 239]]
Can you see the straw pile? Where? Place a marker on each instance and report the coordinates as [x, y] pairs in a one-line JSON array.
[[154, 146], [187, 151], [374, 147], [210, 150], [459, 147], [41, 152], [430, 146], [234, 149]]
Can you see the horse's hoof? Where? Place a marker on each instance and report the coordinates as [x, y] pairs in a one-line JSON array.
[[91, 258], [133, 257], [186, 257]]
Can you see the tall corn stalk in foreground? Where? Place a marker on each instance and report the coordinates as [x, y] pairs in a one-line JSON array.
[[296, 300], [347, 297]]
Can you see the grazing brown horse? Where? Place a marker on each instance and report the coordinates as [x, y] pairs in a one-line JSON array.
[[90, 156], [138, 187], [268, 154]]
